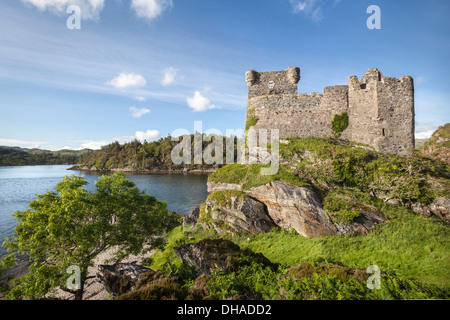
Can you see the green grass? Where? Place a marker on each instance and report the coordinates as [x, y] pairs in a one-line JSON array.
[[411, 245], [222, 197], [250, 176], [251, 120]]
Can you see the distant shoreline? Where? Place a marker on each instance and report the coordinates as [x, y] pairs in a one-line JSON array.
[[149, 171]]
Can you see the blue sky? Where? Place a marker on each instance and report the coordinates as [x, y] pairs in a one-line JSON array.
[[144, 68]]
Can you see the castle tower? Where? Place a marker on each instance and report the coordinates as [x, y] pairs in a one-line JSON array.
[[381, 110], [273, 82]]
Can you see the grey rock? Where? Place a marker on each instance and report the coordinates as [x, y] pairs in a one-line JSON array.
[[292, 207], [240, 214], [216, 254], [191, 218], [441, 208], [120, 278]]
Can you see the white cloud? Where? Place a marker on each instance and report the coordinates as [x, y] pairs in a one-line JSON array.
[[419, 79], [148, 135], [21, 143], [138, 112], [311, 8], [424, 129], [150, 9], [424, 134], [199, 103], [90, 9], [139, 98], [127, 80], [169, 76]]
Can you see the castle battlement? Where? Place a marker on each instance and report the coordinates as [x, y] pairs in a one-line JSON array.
[[380, 108]]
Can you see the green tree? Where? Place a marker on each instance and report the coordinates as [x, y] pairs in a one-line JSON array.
[[71, 226]]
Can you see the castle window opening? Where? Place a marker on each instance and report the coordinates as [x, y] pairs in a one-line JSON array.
[[271, 84], [363, 85], [383, 132]]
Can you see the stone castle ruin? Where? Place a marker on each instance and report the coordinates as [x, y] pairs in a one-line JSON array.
[[380, 109]]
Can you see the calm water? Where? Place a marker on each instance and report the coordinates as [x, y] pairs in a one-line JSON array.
[[19, 186]]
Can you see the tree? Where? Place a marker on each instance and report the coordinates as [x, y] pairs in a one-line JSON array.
[[71, 226]]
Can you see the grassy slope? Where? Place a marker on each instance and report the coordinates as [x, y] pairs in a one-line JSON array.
[[411, 245]]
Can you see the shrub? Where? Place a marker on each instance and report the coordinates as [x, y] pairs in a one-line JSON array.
[[339, 123]]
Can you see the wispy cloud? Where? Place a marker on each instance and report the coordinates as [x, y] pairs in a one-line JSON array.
[[150, 9], [139, 98], [419, 80], [142, 136], [169, 76], [21, 143], [138, 112], [127, 80], [311, 8], [429, 108], [90, 9], [199, 103]]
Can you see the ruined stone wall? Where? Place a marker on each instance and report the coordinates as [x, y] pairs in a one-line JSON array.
[[381, 112], [380, 109]]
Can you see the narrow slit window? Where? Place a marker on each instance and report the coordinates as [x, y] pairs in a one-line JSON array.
[[383, 132]]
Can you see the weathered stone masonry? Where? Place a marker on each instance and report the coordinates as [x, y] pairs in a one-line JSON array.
[[380, 109]]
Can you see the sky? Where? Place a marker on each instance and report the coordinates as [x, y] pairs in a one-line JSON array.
[[141, 69]]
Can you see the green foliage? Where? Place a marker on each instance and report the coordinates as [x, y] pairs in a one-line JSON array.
[[152, 156], [251, 119], [340, 210], [339, 123], [222, 197], [345, 164], [250, 176], [71, 226], [15, 156]]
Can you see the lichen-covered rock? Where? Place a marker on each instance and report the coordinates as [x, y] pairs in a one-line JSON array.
[[292, 207], [192, 217], [218, 186], [120, 278], [369, 217], [234, 211], [441, 208], [421, 209], [216, 254]]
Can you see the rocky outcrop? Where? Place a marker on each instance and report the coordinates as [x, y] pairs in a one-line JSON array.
[[292, 207], [216, 254], [439, 207], [284, 205], [120, 278], [213, 187], [369, 217], [192, 217], [238, 213]]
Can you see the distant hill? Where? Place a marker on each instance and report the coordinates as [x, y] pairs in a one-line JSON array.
[[420, 142], [438, 146], [16, 156]]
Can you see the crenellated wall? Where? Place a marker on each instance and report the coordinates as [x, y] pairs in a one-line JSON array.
[[380, 109]]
